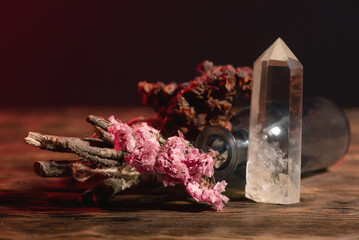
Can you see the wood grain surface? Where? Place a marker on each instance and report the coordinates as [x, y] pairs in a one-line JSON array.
[[32, 207]]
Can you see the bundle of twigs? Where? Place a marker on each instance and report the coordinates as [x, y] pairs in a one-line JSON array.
[[100, 168]]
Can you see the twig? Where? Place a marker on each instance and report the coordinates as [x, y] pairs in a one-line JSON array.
[[102, 134], [98, 121], [82, 147], [53, 168], [100, 128]]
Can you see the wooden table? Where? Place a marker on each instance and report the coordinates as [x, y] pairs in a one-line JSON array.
[[32, 207]]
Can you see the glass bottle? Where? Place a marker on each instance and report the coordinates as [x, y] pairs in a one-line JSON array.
[[325, 138]]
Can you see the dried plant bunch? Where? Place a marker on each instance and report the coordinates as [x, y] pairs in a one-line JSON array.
[[174, 161], [206, 100], [121, 156]]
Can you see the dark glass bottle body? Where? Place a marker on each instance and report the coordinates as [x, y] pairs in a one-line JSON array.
[[325, 137]]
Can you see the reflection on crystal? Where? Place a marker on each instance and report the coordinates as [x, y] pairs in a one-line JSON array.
[[273, 166], [275, 131]]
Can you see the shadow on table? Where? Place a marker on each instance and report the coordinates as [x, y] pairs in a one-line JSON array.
[[61, 200], [58, 198]]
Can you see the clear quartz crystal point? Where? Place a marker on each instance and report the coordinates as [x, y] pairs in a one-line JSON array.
[[274, 165]]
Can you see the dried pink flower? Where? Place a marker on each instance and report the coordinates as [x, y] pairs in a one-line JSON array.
[[122, 136], [199, 164], [143, 134], [174, 162], [212, 196], [143, 159], [170, 162]]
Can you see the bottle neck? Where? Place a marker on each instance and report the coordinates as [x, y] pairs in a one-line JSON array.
[[232, 148]]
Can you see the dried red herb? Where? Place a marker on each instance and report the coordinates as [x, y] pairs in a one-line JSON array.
[[206, 100]]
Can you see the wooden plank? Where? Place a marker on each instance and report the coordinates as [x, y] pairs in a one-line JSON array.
[[32, 207]]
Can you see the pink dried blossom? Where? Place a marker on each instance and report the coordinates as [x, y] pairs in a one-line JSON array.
[[172, 170], [174, 162], [199, 164], [194, 190], [170, 162], [122, 136], [144, 158], [212, 196], [143, 134], [176, 146]]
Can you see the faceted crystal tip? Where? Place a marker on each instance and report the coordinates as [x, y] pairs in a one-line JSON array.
[[279, 51]]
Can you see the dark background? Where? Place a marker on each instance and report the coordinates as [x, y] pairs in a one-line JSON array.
[[56, 53]]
